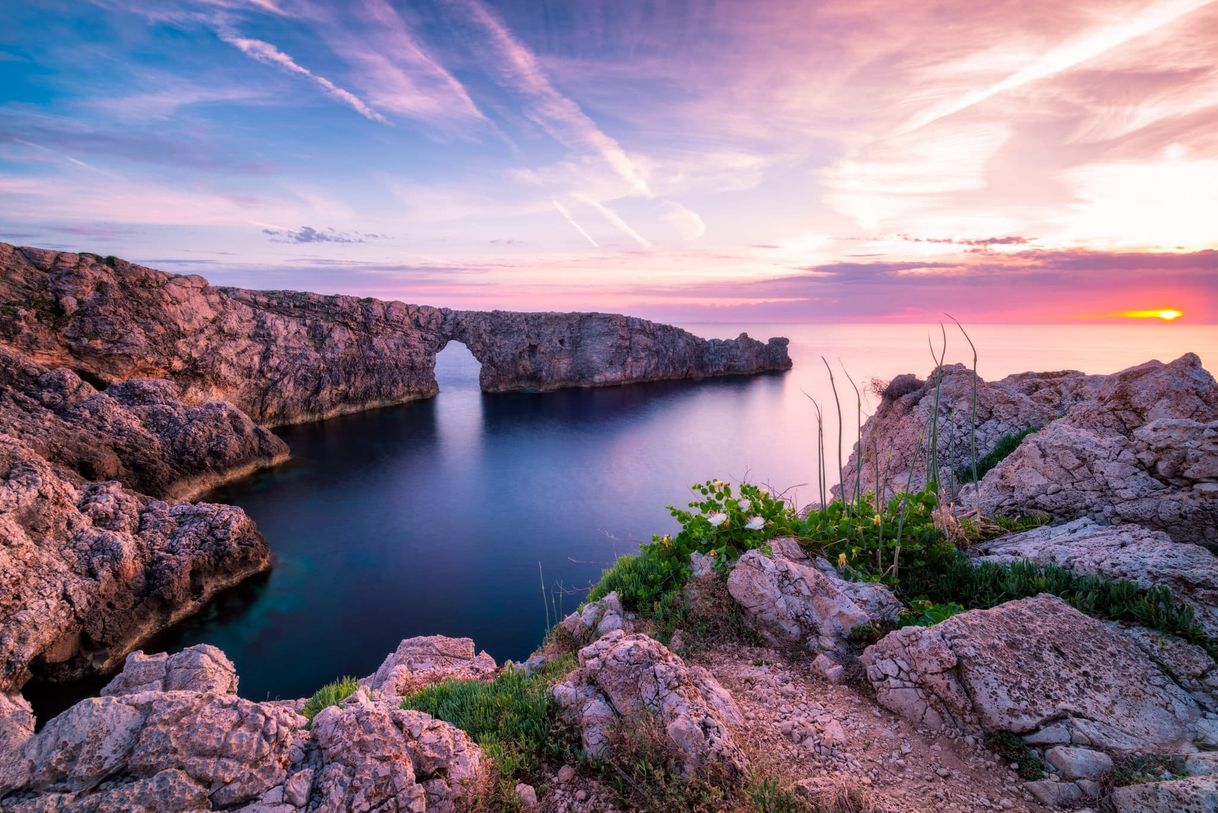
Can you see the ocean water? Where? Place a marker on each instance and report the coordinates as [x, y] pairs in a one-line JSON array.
[[447, 516]]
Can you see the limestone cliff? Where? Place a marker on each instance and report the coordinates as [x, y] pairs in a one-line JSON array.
[[286, 356]]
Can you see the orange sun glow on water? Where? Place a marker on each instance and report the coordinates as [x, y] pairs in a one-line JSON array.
[[1166, 314]]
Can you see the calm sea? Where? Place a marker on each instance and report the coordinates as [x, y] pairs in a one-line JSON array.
[[446, 516]]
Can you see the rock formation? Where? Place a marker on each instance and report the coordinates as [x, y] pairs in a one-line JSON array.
[[138, 432], [169, 733], [285, 356], [624, 679], [89, 570], [1032, 667], [418, 662], [1145, 557], [1139, 446], [792, 600]]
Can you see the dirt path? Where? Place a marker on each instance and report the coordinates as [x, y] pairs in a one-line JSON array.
[[830, 738]]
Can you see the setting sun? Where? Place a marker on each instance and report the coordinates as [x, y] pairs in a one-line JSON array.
[[1166, 314]]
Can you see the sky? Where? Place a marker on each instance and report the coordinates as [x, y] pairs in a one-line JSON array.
[[692, 160]]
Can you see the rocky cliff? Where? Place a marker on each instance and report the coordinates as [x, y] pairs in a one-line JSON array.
[[1138, 446], [286, 356]]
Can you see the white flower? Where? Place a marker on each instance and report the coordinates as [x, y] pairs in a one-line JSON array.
[[716, 519], [744, 505], [755, 523]]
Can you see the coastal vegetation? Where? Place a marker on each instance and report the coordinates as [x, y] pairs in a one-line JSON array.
[[329, 695]]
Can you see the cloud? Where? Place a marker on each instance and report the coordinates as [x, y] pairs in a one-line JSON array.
[[687, 222], [1067, 55], [268, 54], [557, 114], [308, 234], [566, 213], [393, 66], [620, 224]]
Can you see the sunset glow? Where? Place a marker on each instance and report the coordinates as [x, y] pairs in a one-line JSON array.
[[725, 161], [1166, 314]]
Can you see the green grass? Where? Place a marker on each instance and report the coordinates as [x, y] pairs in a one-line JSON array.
[[513, 718], [1142, 768], [329, 695], [1002, 449]]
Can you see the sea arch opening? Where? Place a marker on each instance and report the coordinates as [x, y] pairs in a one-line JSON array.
[[457, 370]]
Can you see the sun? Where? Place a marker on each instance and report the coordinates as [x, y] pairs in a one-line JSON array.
[[1166, 314]]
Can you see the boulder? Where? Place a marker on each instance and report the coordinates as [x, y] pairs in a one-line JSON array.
[[1140, 555], [624, 679], [1029, 665], [597, 618], [796, 601], [1196, 794], [1187, 664], [89, 570], [422, 661], [200, 668], [139, 432], [380, 758]]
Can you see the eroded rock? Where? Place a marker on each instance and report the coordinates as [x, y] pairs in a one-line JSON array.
[[286, 356], [170, 735], [89, 570], [596, 618], [1196, 794], [1026, 665], [632, 677], [796, 601], [138, 432], [1140, 555], [1137, 446], [422, 661]]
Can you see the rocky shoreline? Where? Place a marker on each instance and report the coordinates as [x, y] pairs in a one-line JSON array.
[[769, 659]]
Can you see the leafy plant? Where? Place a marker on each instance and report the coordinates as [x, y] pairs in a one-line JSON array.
[[924, 613], [329, 695], [724, 524]]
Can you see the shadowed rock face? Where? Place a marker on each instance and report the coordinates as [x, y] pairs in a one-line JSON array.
[[90, 570], [137, 432], [286, 356]]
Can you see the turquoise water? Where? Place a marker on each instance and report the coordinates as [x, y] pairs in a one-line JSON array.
[[445, 516]]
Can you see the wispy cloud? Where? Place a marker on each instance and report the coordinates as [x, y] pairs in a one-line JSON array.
[[270, 55], [392, 65], [612, 216], [1075, 51], [554, 112], [566, 213]]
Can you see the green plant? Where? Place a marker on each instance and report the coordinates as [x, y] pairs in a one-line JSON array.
[[724, 524], [924, 613], [1014, 750], [329, 695], [767, 795], [1002, 450], [513, 718], [1141, 768]]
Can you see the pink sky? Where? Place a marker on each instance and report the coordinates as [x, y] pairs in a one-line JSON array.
[[861, 161]]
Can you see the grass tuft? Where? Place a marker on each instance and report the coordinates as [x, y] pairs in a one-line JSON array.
[[329, 695], [1003, 449]]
